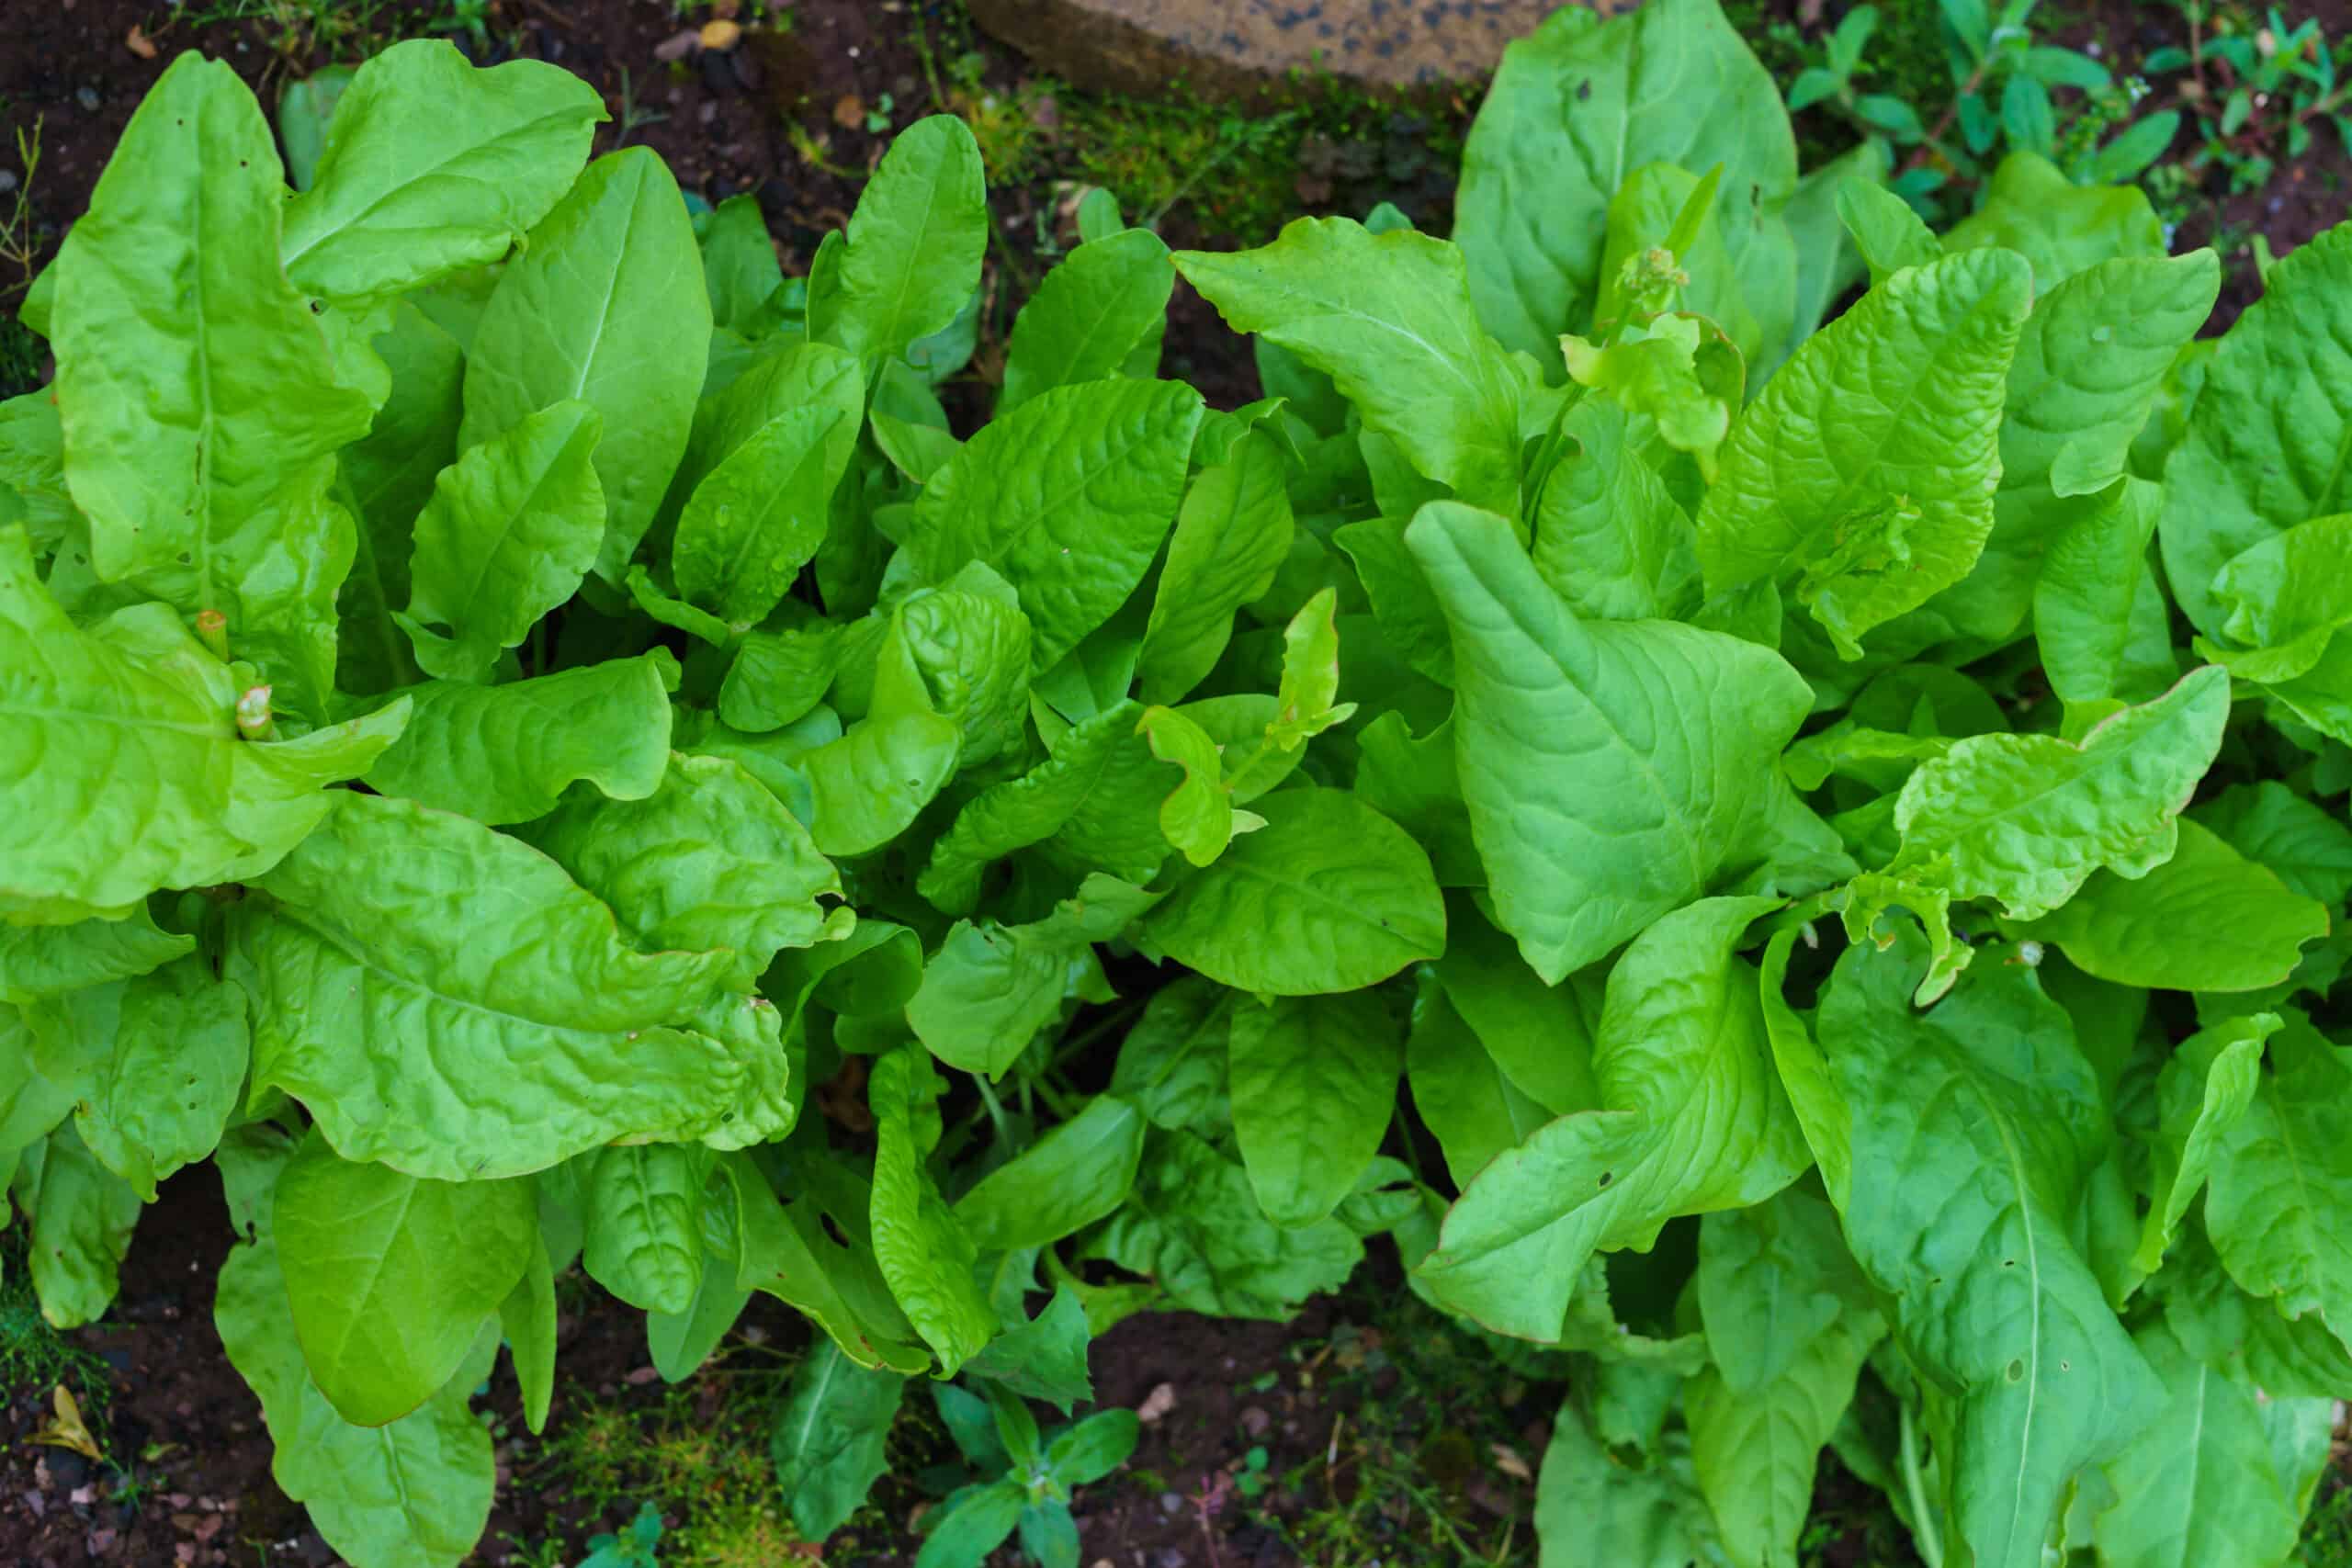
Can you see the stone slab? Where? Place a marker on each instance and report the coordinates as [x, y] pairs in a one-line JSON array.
[[1243, 48]]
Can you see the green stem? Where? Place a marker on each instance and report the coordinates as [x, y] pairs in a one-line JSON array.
[[1927, 1531]]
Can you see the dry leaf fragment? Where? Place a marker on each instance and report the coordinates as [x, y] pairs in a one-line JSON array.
[[721, 34], [677, 46], [66, 1428], [1157, 1405], [849, 111], [1506, 1459], [138, 43]]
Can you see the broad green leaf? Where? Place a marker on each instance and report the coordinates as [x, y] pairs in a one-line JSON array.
[[2100, 620], [1572, 113], [758, 516], [973, 1523], [528, 1316], [1694, 1121], [870, 783], [926, 1254], [200, 438], [446, 1001], [817, 1253], [512, 527], [1068, 498], [789, 381], [1192, 1225], [1330, 896], [1173, 1062], [1403, 605], [415, 1493], [432, 166], [1974, 1125], [503, 754], [82, 1214], [2027, 818], [390, 1278], [828, 1441], [2207, 919], [1887, 232], [1233, 533], [1827, 262], [1805, 1074], [912, 256], [2309, 850], [1469, 1104], [1414, 781], [1388, 318], [709, 860], [679, 1343], [2281, 1181], [47, 960], [154, 1064], [644, 1240], [2029, 206], [1594, 1510], [1609, 537], [778, 676], [2197, 1485], [2242, 1334], [386, 479], [128, 772], [604, 306], [990, 988], [739, 264], [1606, 783], [2202, 1091], [1073, 1176], [1861, 480], [1043, 1357], [1540, 1036], [963, 651], [1314, 1085], [2285, 600], [2258, 456], [32, 470], [1310, 680], [1089, 316], [1789, 1320]]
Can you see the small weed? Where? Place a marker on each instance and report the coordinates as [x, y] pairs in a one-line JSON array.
[[634, 117], [2256, 87], [342, 30], [20, 236], [35, 1358], [2327, 1532]]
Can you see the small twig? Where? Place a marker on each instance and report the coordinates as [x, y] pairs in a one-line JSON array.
[[1918, 159]]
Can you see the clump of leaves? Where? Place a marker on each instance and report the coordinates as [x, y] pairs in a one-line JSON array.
[[511, 704]]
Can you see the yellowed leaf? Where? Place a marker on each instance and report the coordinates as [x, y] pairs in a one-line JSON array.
[[67, 1429]]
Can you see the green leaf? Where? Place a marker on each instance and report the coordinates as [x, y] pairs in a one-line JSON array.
[[709, 860], [817, 1253], [1313, 1084], [512, 528], [2283, 599], [1610, 539], [1467, 1102], [1570, 116], [1605, 784], [739, 264], [1098, 794], [2198, 1484], [154, 1064], [2202, 1091], [528, 1317], [47, 960], [2258, 455], [912, 256], [990, 988], [143, 779], [507, 1028], [870, 783], [1403, 605], [924, 1253], [605, 306], [1094, 1447], [2029, 206], [1172, 1063], [644, 1240], [2280, 1183], [1194, 1226], [432, 166], [1694, 1121], [415, 1493], [1788, 1319], [1089, 315], [758, 516], [1889, 235], [1861, 480], [1329, 896], [2100, 620], [1233, 533], [1388, 318], [1073, 1176], [679, 1343], [200, 438], [1310, 679], [963, 651], [82, 1218], [2207, 919], [1045, 1357], [1198, 814], [1594, 1510], [973, 1523], [390, 1278], [387, 478], [830, 1439], [1068, 498], [1973, 1126], [503, 754], [2310, 850]]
